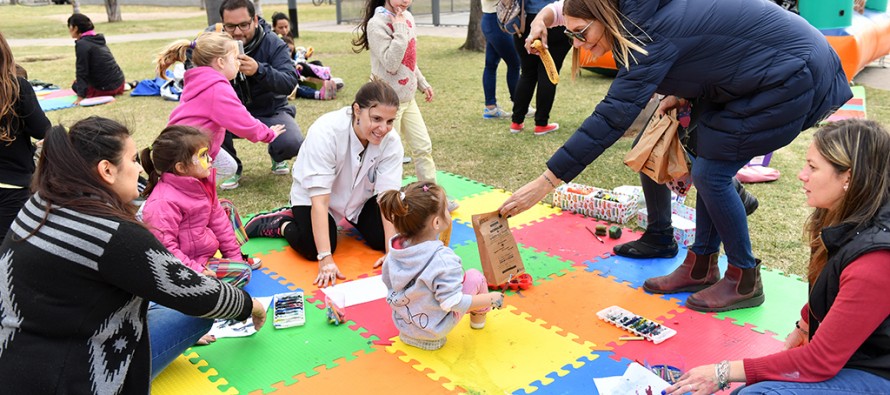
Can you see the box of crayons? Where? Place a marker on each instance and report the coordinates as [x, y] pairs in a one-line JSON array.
[[640, 326], [288, 310]]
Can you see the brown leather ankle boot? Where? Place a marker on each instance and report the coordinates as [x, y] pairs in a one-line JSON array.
[[697, 272], [739, 289]]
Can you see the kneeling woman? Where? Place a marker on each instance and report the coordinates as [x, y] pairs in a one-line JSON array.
[[349, 157]]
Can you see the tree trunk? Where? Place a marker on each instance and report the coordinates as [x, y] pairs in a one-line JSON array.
[[75, 7], [12, 2], [212, 9], [113, 10], [203, 6], [475, 39], [258, 7]]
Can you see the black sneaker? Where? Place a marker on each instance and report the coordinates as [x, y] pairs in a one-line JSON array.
[[650, 245], [748, 200], [268, 224]]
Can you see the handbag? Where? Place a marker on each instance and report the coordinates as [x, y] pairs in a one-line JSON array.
[[659, 153]]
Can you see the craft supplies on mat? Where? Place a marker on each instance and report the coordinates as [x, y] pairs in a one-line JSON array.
[[595, 202], [640, 326], [289, 310]]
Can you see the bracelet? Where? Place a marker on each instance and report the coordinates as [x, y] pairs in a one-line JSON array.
[[721, 371], [797, 325], [549, 181], [323, 255]]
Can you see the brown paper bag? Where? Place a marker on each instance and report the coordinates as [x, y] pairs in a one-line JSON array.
[[498, 252], [658, 153]]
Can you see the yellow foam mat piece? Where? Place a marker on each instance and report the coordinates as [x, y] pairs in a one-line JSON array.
[[492, 200], [496, 359], [184, 377]]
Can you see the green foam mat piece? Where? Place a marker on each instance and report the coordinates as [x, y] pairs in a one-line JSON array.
[[785, 296], [262, 245], [537, 264], [275, 355], [456, 187]]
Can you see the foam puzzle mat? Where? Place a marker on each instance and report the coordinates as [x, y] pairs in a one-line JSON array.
[[546, 340]]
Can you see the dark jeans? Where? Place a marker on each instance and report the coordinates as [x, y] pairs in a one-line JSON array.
[[499, 45], [534, 75], [300, 237], [11, 202], [284, 147], [847, 381]]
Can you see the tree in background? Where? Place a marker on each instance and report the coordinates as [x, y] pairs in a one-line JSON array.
[[475, 39], [113, 10]]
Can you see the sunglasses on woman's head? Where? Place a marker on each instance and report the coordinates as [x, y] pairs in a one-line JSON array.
[[577, 35]]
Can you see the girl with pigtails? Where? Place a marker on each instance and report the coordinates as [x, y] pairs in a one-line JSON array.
[[208, 100], [428, 290]]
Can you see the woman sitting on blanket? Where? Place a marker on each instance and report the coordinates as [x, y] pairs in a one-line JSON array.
[[348, 159], [97, 72], [840, 343]]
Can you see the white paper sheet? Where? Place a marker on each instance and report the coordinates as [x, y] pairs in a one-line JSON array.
[[637, 380], [232, 328], [356, 292]]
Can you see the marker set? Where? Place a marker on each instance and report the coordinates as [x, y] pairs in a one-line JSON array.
[[638, 325], [289, 310]]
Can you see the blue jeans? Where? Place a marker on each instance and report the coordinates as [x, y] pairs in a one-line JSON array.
[[170, 333], [284, 147], [719, 212], [847, 381], [499, 46]]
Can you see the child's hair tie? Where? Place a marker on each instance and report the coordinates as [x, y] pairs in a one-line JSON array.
[[402, 195], [426, 188], [192, 45]]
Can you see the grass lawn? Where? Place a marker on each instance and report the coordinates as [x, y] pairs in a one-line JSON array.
[[463, 142]]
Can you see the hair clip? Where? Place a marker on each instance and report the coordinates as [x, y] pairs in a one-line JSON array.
[[426, 188], [192, 45], [402, 194]]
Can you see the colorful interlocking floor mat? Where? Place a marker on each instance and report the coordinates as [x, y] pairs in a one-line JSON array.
[[546, 340]]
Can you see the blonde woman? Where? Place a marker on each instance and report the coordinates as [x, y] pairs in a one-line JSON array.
[[756, 75]]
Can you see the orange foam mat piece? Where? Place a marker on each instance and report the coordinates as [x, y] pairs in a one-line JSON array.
[[507, 355], [184, 377], [490, 201], [377, 372], [572, 301], [353, 257]]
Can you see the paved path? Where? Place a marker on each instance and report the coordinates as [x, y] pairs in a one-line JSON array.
[[440, 31]]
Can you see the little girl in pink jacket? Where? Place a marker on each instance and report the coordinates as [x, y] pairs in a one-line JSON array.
[[208, 100]]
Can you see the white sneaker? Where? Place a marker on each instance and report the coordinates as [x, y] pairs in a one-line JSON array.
[[495, 113], [531, 112]]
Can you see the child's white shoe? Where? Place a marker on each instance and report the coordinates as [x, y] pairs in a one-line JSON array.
[[477, 321]]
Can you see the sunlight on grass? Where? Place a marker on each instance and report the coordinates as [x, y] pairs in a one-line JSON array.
[[465, 144]]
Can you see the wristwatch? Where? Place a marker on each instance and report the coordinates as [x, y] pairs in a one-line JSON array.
[[323, 255]]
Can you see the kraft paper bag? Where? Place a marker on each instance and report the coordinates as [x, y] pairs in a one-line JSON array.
[[498, 251]]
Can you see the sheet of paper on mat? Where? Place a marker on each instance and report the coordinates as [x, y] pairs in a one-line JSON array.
[[636, 380], [231, 328], [356, 292]]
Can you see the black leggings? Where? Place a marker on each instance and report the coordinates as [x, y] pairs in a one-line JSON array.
[[532, 73], [300, 237]]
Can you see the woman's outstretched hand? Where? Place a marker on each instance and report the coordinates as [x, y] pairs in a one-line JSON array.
[[537, 30], [328, 273], [527, 196]]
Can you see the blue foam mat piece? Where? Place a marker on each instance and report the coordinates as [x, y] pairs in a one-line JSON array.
[[461, 234], [572, 383], [261, 284], [636, 271]]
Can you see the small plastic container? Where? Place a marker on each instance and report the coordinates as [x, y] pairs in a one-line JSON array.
[[638, 325], [288, 310]]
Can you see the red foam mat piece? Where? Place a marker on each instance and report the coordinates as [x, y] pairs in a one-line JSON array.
[[701, 339], [566, 235]]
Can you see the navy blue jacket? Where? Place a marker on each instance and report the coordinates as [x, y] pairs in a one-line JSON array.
[[276, 76], [766, 73]]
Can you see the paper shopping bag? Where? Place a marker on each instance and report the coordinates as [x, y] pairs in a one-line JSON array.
[[498, 252]]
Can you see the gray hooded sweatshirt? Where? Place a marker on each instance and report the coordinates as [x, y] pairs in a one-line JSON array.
[[427, 300]]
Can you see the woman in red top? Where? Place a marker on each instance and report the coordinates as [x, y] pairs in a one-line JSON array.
[[841, 344]]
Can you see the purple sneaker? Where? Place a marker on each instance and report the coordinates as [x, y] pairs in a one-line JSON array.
[[268, 224]]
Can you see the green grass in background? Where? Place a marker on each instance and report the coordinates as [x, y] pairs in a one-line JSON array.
[[463, 142]]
